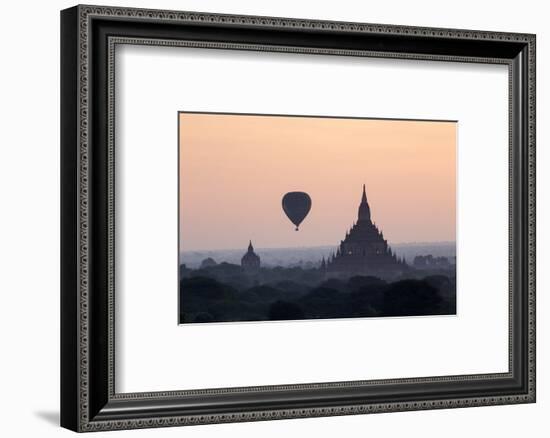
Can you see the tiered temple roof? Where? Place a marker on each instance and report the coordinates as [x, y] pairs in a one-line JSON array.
[[364, 250]]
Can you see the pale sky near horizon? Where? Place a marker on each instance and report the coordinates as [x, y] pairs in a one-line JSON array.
[[235, 169]]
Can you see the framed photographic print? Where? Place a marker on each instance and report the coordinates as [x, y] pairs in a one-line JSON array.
[[268, 218], [294, 276]]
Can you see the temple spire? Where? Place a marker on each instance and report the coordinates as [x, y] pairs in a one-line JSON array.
[[364, 209], [250, 262]]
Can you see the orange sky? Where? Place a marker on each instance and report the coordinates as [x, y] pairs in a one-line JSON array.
[[235, 169]]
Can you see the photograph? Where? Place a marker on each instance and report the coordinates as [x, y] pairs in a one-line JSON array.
[[295, 217]]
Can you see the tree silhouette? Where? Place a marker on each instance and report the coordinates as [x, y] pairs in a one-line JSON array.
[[284, 310], [224, 293], [410, 297]]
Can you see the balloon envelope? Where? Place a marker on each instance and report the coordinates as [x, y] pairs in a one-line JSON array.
[[296, 206]]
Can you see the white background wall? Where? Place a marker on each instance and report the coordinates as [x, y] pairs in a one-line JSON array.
[[29, 217]]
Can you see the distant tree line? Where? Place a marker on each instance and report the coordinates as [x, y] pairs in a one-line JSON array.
[[225, 293]]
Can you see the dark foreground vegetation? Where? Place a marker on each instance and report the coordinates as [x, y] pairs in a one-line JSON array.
[[226, 293]]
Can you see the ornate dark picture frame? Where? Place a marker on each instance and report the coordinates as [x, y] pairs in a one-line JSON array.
[[89, 35]]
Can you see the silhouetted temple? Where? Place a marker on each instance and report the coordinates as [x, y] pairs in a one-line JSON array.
[[250, 261], [364, 250]]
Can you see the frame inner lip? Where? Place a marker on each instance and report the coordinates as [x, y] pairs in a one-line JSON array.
[[114, 40]]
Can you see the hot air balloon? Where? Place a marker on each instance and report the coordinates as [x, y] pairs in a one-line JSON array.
[[296, 206]]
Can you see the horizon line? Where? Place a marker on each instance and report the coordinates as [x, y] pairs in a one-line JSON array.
[[316, 246]]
